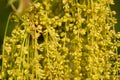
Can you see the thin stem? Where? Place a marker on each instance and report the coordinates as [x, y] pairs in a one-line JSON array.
[[3, 49]]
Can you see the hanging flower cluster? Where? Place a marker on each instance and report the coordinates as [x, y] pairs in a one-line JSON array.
[[63, 40]]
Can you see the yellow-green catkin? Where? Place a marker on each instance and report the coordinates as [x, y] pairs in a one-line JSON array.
[[63, 40]]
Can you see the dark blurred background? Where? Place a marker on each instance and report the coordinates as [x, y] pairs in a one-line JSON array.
[[4, 13], [116, 7]]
